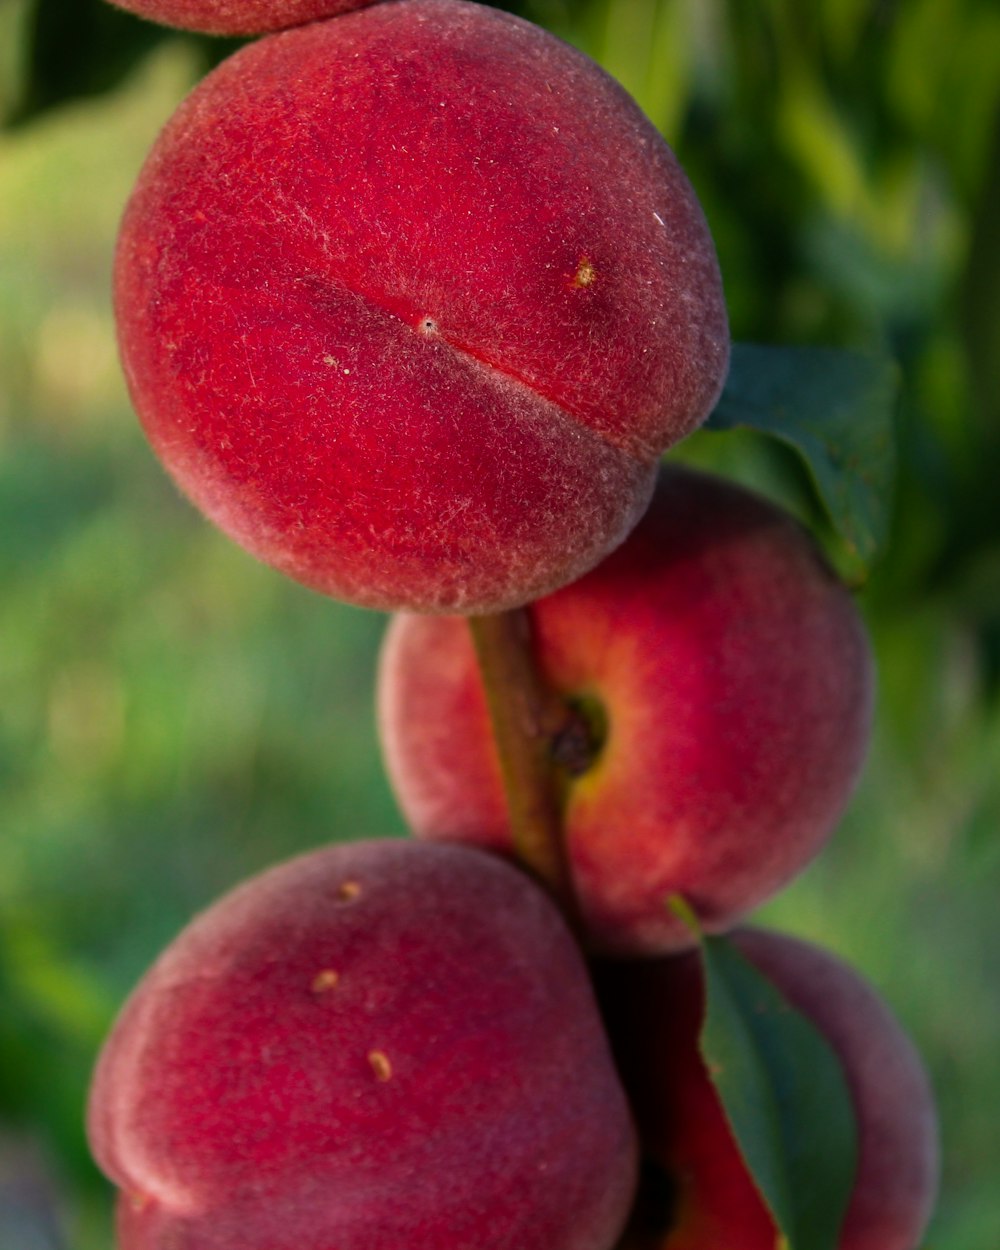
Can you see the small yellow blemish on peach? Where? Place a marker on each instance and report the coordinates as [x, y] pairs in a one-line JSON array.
[[325, 980], [347, 891], [585, 274], [380, 1065], [330, 360], [139, 1202]]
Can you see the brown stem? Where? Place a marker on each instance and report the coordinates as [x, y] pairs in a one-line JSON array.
[[529, 720]]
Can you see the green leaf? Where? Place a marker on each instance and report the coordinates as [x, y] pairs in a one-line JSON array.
[[86, 48], [785, 1095], [835, 408], [79, 50]]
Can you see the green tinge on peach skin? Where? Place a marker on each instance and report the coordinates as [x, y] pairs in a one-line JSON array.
[[734, 679]]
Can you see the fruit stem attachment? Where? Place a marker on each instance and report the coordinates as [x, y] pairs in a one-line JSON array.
[[527, 719]]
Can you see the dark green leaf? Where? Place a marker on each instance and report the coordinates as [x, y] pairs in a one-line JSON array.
[[835, 408], [82, 48], [79, 50], [785, 1096]]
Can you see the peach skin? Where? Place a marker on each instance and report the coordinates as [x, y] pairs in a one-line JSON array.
[[411, 300], [375, 1046], [724, 677], [237, 17]]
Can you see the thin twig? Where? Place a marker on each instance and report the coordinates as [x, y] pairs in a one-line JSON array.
[[528, 719]]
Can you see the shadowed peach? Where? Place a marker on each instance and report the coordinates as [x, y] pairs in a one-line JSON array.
[[417, 1061]]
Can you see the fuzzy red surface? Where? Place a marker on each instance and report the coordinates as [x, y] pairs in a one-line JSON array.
[[735, 678], [237, 17], [409, 301], [376, 1045], [708, 1200]]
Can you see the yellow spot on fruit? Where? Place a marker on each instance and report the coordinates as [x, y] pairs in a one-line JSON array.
[[325, 980], [348, 891], [585, 274], [380, 1065], [138, 1202], [330, 360]]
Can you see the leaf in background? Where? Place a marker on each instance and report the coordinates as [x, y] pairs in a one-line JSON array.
[[980, 308], [83, 48], [785, 1096], [835, 408], [78, 49], [645, 45]]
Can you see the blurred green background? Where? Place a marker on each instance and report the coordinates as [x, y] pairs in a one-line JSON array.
[[174, 716]]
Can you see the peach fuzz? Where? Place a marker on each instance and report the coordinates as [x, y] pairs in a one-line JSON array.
[[237, 17], [698, 1194], [410, 301], [727, 674], [376, 1045]]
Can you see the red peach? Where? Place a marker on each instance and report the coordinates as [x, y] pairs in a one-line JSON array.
[[410, 301], [728, 674], [698, 1194], [374, 1046], [237, 17]]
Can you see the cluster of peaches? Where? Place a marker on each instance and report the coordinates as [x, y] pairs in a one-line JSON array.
[[411, 301]]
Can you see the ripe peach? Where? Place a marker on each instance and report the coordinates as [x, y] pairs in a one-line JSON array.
[[410, 301], [237, 17], [373, 1046], [698, 1194], [725, 676]]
